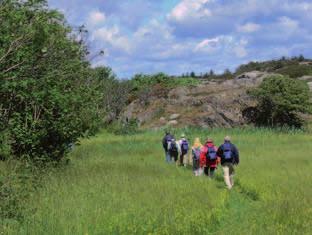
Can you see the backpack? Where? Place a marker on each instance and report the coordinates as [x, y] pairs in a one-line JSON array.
[[173, 147], [184, 146], [196, 153], [227, 151], [211, 153], [167, 139]]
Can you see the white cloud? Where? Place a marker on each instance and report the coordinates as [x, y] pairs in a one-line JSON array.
[[248, 28], [96, 17], [113, 37], [190, 9], [207, 45]]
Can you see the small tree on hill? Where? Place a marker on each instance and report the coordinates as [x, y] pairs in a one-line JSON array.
[[280, 101]]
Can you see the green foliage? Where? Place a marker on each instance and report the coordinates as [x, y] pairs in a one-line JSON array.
[[143, 85], [5, 148], [295, 71], [17, 184], [127, 127], [280, 100], [49, 95], [291, 67]]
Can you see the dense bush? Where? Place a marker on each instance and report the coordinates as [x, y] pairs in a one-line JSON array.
[[49, 95], [124, 127], [17, 184], [280, 102]]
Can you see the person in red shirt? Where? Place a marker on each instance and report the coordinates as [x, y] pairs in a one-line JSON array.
[[209, 158]]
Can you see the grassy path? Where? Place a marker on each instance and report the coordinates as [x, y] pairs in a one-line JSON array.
[[121, 185]]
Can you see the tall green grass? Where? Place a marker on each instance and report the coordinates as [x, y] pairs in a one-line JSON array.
[[122, 185]]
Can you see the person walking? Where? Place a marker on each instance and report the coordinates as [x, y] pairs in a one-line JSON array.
[[184, 147], [229, 157], [165, 141], [209, 157], [174, 150], [196, 150]]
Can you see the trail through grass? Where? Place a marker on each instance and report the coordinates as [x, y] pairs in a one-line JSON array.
[[122, 185]]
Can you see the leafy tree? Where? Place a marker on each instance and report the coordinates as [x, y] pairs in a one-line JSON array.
[[47, 92], [192, 74], [280, 101], [227, 74], [112, 93]]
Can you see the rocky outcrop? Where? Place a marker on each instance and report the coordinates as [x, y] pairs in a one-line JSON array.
[[210, 104]]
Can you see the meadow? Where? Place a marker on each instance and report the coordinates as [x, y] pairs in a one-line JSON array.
[[122, 185]]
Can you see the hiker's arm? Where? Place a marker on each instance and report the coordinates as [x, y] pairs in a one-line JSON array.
[[164, 142], [220, 151], [202, 158], [236, 154]]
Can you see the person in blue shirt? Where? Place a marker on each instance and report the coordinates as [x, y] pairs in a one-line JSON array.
[[165, 141]]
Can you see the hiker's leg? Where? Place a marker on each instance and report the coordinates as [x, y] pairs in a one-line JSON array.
[[172, 158], [195, 168], [212, 171], [181, 159], [176, 158], [231, 172], [206, 170], [168, 157], [185, 160], [226, 174]]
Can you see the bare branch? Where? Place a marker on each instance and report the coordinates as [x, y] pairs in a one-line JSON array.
[[11, 47], [13, 67]]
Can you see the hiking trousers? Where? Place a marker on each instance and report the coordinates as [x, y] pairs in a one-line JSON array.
[[228, 173], [209, 171], [183, 159], [167, 155], [174, 157]]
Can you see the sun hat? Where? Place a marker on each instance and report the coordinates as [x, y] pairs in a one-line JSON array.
[[227, 138]]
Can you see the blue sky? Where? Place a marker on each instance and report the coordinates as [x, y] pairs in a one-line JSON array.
[[178, 36]]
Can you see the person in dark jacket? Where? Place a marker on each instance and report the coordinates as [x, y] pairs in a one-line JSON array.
[[166, 140], [229, 157]]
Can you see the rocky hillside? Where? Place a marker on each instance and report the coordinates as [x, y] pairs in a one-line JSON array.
[[209, 104]]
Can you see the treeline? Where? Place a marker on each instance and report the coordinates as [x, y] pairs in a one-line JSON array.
[[294, 67], [49, 94]]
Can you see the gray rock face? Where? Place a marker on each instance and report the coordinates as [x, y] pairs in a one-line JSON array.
[[306, 78], [310, 85], [174, 116], [173, 123], [210, 104]]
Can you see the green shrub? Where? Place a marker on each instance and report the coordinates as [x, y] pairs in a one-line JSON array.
[[127, 127], [5, 148], [280, 101], [296, 71], [17, 184], [48, 95]]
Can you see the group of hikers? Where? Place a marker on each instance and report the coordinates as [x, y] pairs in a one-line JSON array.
[[204, 158]]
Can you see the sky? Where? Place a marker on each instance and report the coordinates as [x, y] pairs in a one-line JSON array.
[[179, 36]]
